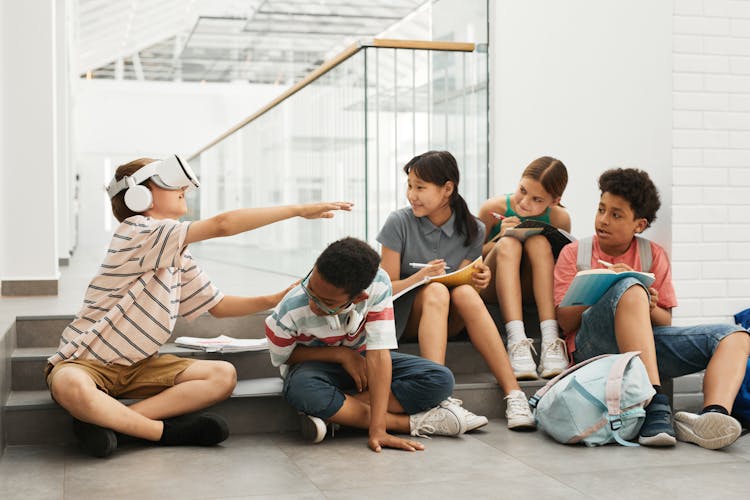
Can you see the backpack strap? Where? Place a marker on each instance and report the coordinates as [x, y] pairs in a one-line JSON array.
[[644, 252], [586, 248], [613, 393]]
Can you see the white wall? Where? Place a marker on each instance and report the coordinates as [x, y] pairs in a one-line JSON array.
[[125, 120], [460, 20], [65, 231], [711, 212], [589, 83], [28, 191], [2, 127]]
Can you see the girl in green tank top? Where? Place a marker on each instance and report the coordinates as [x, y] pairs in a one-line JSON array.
[[527, 266]]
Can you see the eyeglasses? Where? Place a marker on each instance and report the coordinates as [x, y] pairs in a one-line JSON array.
[[317, 301]]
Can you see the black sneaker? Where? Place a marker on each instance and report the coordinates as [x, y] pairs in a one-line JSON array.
[[94, 440], [657, 429], [202, 429]]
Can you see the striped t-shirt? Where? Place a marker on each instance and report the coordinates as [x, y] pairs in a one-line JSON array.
[[365, 325], [147, 279]]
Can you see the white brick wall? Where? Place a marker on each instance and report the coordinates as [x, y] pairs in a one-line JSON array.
[[711, 159]]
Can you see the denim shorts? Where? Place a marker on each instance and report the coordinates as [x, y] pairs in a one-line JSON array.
[[680, 350], [318, 388]]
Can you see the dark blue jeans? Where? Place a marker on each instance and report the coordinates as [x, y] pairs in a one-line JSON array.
[[317, 388]]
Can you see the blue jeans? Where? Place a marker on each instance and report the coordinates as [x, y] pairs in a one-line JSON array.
[[318, 388], [680, 350]]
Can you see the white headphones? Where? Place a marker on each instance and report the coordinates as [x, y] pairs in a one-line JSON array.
[[171, 173]]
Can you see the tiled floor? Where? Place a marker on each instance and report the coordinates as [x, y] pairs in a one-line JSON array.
[[491, 463]]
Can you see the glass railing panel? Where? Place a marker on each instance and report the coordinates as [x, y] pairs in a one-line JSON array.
[[309, 148], [346, 136], [420, 100]]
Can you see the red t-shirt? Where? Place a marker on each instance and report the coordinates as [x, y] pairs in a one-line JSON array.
[[565, 271]]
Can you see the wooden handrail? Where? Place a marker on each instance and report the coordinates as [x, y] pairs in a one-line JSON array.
[[383, 43]]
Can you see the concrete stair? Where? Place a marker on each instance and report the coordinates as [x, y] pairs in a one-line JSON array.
[[32, 417]]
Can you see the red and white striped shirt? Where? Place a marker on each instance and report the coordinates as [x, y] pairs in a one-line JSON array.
[[147, 279]]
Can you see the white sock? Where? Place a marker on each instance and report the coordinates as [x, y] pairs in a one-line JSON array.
[[549, 330], [515, 331]]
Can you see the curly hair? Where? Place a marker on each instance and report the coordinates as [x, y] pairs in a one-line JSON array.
[[636, 187], [349, 264]]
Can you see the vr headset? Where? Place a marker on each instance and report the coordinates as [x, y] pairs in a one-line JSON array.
[[170, 173]]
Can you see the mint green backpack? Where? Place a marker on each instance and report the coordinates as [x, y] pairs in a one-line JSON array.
[[595, 402]]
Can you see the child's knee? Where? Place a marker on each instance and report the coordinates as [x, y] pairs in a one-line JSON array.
[[508, 248], [436, 295], [537, 246], [632, 299], [465, 295], [69, 387], [739, 340], [309, 396], [226, 376], [442, 379]]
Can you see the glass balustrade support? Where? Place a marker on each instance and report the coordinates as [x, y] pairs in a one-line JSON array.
[[344, 133]]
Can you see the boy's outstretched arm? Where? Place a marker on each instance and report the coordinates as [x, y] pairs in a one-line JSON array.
[[246, 219], [232, 305]]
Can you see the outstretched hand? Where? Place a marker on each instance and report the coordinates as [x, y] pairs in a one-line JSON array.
[[324, 210], [384, 440], [276, 297]]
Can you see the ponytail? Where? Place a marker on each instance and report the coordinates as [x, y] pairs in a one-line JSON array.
[[465, 223]]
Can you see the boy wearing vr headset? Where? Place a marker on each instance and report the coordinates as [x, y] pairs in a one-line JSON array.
[[148, 278]]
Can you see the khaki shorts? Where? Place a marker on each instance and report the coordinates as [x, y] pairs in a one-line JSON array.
[[144, 379]]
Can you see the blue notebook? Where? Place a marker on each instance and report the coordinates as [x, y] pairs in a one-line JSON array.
[[588, 286]]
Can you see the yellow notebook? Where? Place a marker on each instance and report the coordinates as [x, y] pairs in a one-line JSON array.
[[451, 280]]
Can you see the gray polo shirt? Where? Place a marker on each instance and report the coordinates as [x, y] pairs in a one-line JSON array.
[[419, 240]]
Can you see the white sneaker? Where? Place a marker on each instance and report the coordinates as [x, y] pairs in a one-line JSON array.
[[472, 421], [554, 358], [313, 428], [518, 412], [522, 361], [446, 419], [708, 430]]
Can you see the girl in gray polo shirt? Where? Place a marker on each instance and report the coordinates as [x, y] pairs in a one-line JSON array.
[[438, 232]]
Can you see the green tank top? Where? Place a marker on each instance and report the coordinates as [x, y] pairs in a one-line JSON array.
[[544, 217]]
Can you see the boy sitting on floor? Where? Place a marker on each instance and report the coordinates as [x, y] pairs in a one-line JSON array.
[[334, 334]]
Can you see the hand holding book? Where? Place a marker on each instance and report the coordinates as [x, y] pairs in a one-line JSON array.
[[463, 276], [590, 285]]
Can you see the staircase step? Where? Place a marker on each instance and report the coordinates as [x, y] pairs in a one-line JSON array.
[[28, 364], [256, 406], [45, 331]]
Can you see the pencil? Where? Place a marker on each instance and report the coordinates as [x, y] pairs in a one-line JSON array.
[[420, 265]]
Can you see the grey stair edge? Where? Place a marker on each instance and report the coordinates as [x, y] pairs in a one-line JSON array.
[[46, 317], [42, 353], [41, 399], [249, 388]]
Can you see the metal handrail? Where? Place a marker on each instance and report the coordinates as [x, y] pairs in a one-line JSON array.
[[332, 63]]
